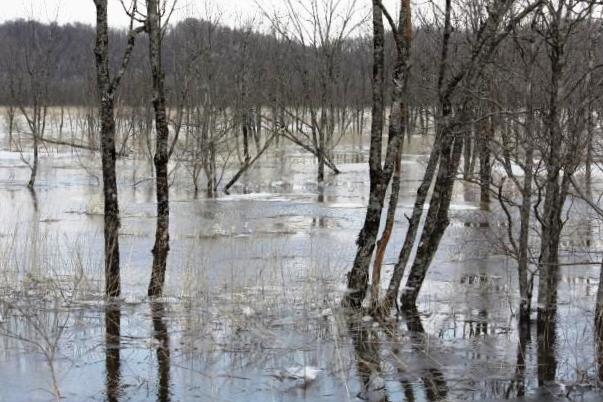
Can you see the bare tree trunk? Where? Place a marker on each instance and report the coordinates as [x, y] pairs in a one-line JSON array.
[[468, 151], [432, 165], [106, 89], [258, 128], [161, 158], [111, 217], [485, 168], [488, 37], [525, 282], [246, 135], [413, 228], [36, 138], [358, 276], [10, 114], [437, 220], [554, 191], [398, 126]]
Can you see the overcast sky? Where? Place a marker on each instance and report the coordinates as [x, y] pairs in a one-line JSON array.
[[65, 11]]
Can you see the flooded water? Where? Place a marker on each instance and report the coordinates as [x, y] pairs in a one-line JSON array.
[[251, 311]]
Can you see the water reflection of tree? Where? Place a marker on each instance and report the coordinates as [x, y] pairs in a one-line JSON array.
[[599, 350], [112, 351], [435, 384], [547, 338], [518, 384], [163, 351], [367, 345], [368, 361]]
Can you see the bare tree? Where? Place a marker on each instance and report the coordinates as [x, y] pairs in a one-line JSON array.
[[155, 30], [107, 89], [445, 156]]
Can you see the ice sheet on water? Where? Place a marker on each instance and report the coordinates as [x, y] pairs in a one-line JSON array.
[[255, 197], [453, 207]]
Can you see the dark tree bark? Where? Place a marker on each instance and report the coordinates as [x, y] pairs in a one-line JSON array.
[[430, 171], [485, 167], [488, 37], [437, 220], [398, 126], [525, 282], [379, 175], [34, 166], [358, 276], [556, 180], [10, 117], [107, 88], [161, 158]]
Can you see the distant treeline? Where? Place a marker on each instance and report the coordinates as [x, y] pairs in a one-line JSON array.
[[229, 65]]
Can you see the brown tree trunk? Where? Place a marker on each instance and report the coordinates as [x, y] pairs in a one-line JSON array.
[[398, 126]]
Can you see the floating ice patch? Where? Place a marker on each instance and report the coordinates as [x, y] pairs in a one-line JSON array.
[[453, 207], [132, 299], [306, 373], [255, 197], [247, 311], [345, 205]]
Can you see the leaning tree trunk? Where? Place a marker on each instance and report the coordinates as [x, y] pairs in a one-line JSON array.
[[358, 276], [488, 38], [440, 142], [437, 220], [413, 228], [161, 158], [398, 126]]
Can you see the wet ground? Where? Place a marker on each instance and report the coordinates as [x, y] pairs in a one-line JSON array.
[[254, 281]]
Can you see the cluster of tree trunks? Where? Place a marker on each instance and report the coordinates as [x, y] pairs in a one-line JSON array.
[[107, 87]]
